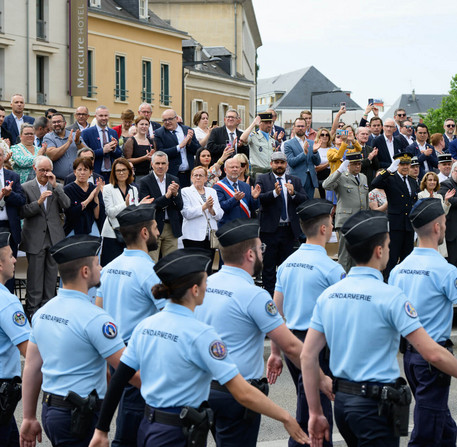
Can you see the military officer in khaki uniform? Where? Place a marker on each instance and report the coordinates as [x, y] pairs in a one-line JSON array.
[[351, 187], [261, 144]]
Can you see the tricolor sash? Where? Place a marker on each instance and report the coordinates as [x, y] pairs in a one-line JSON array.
[[231, 192]]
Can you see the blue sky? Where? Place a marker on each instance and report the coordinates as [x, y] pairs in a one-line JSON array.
[[376, 49]]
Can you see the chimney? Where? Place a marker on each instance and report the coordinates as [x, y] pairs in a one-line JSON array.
[[413, 95]]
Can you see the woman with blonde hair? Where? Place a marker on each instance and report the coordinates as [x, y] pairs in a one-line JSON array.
[[244, 163]]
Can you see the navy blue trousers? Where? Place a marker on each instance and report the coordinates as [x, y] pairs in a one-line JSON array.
[[9, 435], [302, 411], [359, 423], [153, 434], [433, 423], [230, 427], [57, 424]]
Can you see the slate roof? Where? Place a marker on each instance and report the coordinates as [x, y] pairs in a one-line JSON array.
[[414, 104], [296, 87]]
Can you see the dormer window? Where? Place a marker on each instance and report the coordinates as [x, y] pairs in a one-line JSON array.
[[143, 4], [95, 3]]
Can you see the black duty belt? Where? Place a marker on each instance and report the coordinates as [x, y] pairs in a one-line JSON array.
[[300, 334], [215, 385], [371, 390], [445, 344], [162, 417], [54, 400]]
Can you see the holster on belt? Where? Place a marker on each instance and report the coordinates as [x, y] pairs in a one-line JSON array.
[[82, 413], [394, 404], [262, 385], [196, 423], [10, 395]]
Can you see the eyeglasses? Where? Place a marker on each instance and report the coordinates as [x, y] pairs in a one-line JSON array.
[[325, 135], [450, 125], [121, 171], [401, 114], [243, 165], [58, 122], [198, 175], [230, 117], [168, 120], [41, 170], [409, 127], [82, 114]]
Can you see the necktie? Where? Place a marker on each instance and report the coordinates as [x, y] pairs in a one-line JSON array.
[[406, 184], [231, 137], [106, 159], [284, 205], [357, 179], [235, 186]]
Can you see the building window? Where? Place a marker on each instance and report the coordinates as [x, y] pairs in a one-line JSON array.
[[2, 14], [165, 98], [143, 9], [197, 105], [91, 87], [95, 3], [222, 110], [41, 79], [2, 72], [146, 88], [120, 93], [242, 113], [41, 24]]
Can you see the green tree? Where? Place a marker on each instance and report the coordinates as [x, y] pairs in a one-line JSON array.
[[435, 117]]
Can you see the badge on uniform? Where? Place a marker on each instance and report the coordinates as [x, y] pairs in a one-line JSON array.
[[455, 283], [343, 275], [409, 309], [218, 350], [271, 308], [109, 330], [19, 318]]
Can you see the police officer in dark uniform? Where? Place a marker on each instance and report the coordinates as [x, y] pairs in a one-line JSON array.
[[430, 282], [14, 335], [177, 356], [361, 318], [70, 343], [401, 191]]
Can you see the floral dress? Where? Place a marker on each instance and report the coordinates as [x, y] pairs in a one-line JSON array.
[[22, 160]]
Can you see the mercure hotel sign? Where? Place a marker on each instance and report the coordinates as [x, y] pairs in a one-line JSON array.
[[78, 47]]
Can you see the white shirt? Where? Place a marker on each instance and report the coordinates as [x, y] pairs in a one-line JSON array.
[[282, 181], [81, 128], [442, 177], [424, 148], [408, 138], [19, 123], [163, 188], [3, 215], [42, 190], [390, 147], [184, 166], [407, 183]]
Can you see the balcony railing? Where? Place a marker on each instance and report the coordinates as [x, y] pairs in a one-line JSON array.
[[41, 29], [165, 100], [91, 91], [121, 94], [147, 96]]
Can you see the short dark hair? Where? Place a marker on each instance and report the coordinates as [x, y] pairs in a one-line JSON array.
[[363, 251], [131, 233], [2, 108], [59, 114], [399, 110], [402, 123], [126, 163], [178, 288], [424, 126], [197, 156], [311, 227], [300, 118], [69, 270], [51, 110], [376, 118], [86, 162], [198, 116], [41, 121], [233, 254]]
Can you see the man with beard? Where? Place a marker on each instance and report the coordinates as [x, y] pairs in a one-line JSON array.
[[62, 147], [430, 282], [242, 314], [69, 346], [126, 294], [279, 226]]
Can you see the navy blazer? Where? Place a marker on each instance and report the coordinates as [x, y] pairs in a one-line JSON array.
[[446, 143], [432, 159], [300, 163], [383, 153], [166, 142], [10, 126], [271, 206], [148, 186], [278, 130], [13, 203], [452, 149], [217, 142], [91, 138], [231, 206]]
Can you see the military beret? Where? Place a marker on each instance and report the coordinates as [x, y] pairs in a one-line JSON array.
[[354, 156], [313, 208], [364, 225], [278, 155], [404, 157], [443, 158], [182, 262], [134, 214], [238, 230], [414, 161], [266, 116], [426, 210], [4, 239], [75, 247]]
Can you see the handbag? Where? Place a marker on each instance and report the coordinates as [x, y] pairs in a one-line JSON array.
[[213, 240], [117, 233]]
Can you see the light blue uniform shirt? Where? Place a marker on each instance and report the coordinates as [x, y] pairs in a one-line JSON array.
[[14, 329], [430, 282], [242, 313], [362, 319], [301, 278], [126, 290], [74, 338], [177, 356]]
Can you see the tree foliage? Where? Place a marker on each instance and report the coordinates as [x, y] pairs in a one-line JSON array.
[[435, 117]]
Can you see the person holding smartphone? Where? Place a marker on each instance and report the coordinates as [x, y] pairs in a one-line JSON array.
[[202, 129]]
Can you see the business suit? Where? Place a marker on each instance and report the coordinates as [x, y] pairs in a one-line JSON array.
[[91, 138], [278, 236], [6, 135], [10, 126], [352, 197], [232, 207], [171, 228], [217, 142], [167, 142], [451, 221], [400, 203], [12, 204], [74, 127], [369, 167], [447, 141], [41, 230], [385, 160], [303, 165], [278, 130], [432, 159]]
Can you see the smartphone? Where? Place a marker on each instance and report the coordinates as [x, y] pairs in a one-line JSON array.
[[370, 101], [214, 123], [342, 104]]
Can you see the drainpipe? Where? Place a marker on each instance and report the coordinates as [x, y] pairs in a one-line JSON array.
[[27, 99], [236, 39]]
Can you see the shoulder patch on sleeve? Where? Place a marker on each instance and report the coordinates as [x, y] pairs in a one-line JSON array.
[[343, 275], [218, 350], [455, 283], [271, 308], [409, 309], [19, 318], [109, 330]]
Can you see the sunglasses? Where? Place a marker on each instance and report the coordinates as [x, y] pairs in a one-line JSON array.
[[450, 125], [409, 127], [243, 165], [325, 135], [401, 114]]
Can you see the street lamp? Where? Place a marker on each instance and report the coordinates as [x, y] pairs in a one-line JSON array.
[[191, 64], [335, 90]]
